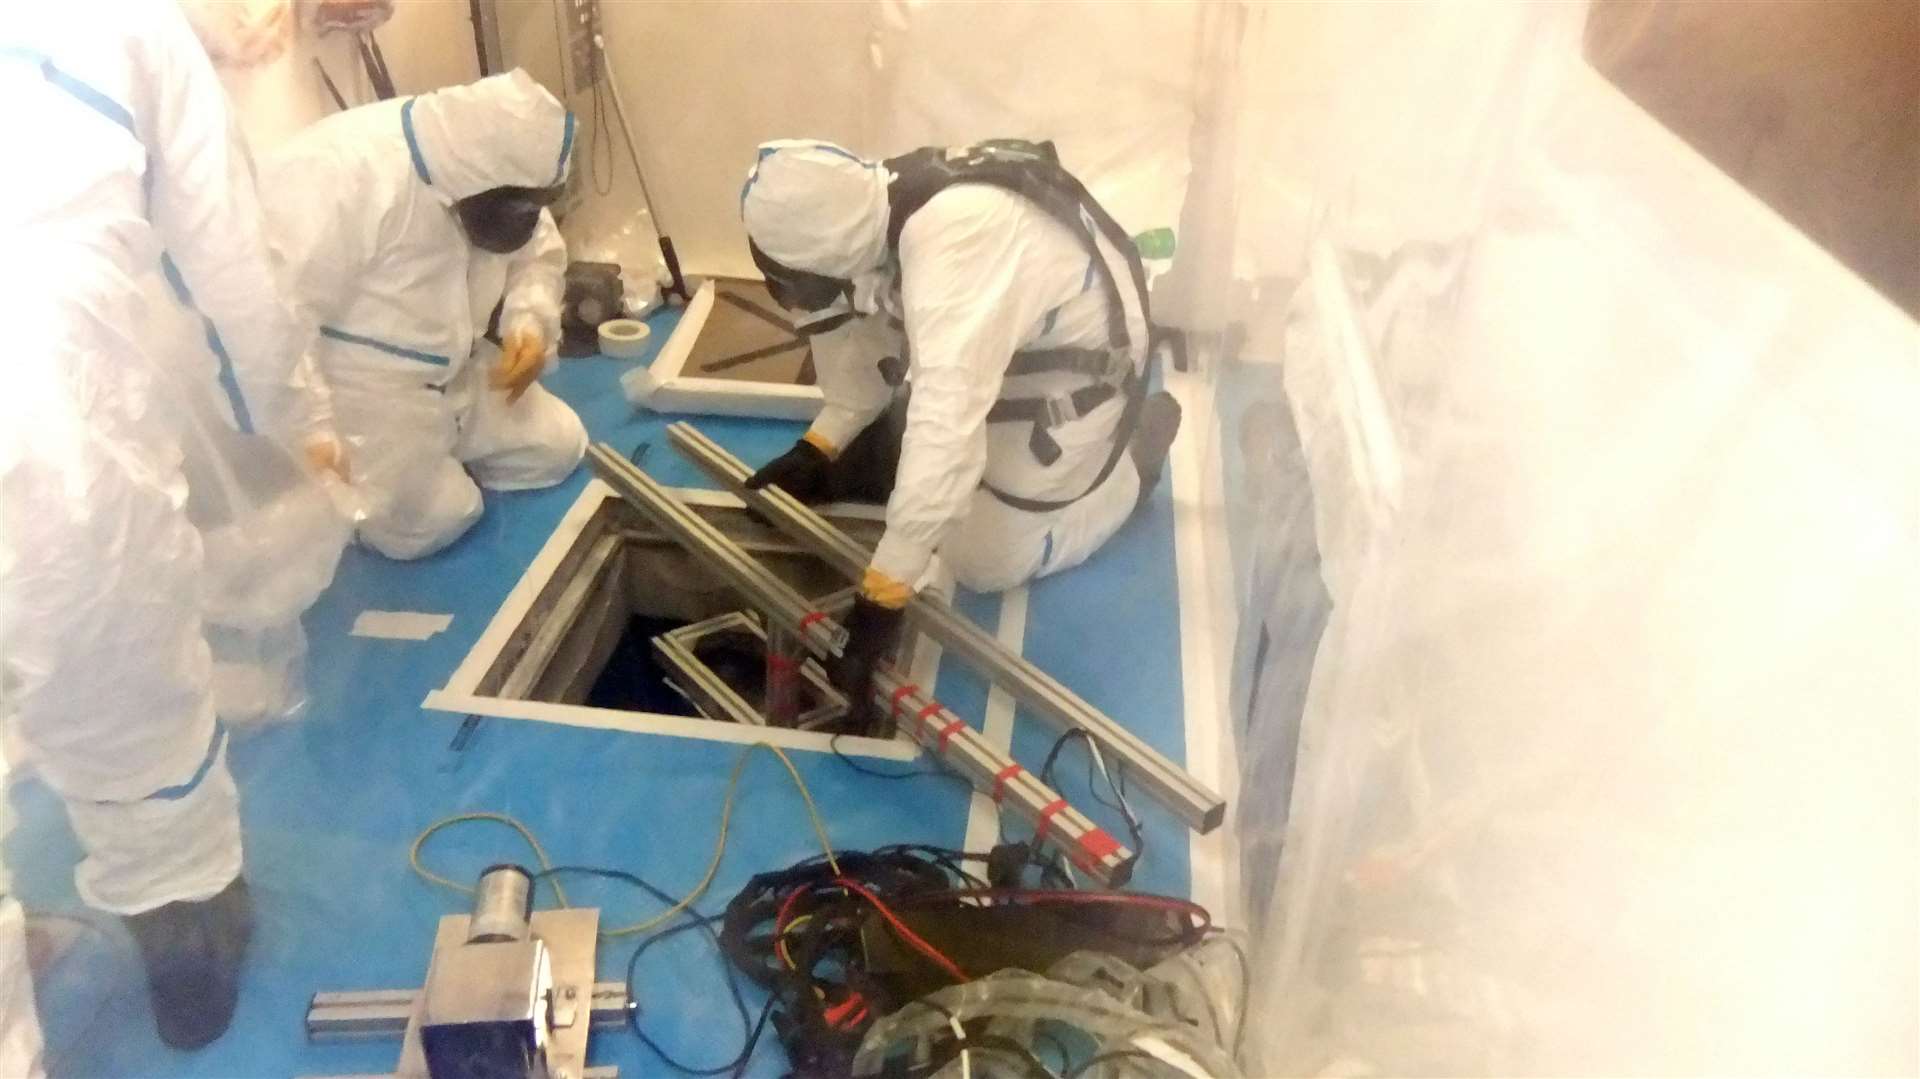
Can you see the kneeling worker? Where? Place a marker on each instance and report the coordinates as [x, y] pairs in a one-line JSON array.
[[404, 225], [1015, 307]]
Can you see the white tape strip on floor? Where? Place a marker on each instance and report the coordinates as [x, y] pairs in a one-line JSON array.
[[399, 625]]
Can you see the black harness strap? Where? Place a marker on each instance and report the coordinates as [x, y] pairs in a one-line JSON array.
[[1033, 171]]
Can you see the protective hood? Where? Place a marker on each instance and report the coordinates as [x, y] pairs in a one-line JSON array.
[[502, 131], [817, 207]]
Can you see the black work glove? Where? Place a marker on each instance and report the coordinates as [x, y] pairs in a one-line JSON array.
[[803, 472], [872, 632]]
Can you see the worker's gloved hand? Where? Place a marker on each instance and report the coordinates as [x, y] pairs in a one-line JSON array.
[[802, 472], [523, 355], [873, 629], [327, 454]]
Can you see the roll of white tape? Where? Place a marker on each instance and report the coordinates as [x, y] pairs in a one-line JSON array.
[[623, 338]]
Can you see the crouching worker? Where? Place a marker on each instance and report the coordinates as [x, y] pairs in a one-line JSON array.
[[408, 226], [980, 332]]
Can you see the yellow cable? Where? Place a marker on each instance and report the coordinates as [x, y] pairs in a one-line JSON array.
[[700, 889], [420, 841]]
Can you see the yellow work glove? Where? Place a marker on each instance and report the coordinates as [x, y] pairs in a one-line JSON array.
[[325, 454], [522, 357]]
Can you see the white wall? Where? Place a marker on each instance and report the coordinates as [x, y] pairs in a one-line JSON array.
[[704, 84]]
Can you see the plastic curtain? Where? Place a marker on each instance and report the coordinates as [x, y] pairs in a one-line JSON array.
[[1573, 505]]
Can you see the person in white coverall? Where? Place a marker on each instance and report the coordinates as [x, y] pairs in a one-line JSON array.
[[990, 283], [104, 672], [407, 222]]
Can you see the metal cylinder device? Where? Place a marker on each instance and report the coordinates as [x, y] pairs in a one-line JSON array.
[[502, 905]]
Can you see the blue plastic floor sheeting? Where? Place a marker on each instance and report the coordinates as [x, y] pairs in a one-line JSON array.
[[331, 804]]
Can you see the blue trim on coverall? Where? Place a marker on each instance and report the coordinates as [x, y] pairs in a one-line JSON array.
[[566, 144], [413, 144], [112, 110], [389, 349]]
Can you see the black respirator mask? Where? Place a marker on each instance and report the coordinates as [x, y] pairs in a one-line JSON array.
[[798, 290], [502, 220]]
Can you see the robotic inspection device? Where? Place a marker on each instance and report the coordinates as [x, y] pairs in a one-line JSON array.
[[509, 994]]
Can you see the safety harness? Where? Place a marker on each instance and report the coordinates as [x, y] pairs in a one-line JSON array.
[[1032, 170]]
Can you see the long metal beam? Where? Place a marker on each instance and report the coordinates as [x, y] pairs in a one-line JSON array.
[[967, 753], [1167, 782], [957, 745], [782, 606]]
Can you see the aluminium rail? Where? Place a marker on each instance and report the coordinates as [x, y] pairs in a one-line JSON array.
[[782, 606], [1171, 785], [955, 743]]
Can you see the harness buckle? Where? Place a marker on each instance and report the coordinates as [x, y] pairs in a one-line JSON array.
[[1061, 409]]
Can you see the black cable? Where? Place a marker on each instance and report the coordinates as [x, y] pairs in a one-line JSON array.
[[1116, 783], [868, 770], [597, 122], [695, 920], [753, 1039]]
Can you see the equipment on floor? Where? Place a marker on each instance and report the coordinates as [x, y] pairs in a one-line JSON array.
[[842, 946], [797, 626], [509, 994], [594, 295], [1171, 785]]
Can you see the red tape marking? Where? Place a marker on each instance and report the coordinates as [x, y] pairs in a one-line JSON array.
[[778, 662], [923, 715], [1097, 845], [810, 619], [1000, 780], [1046, 818], [906, 689], [946, 733]]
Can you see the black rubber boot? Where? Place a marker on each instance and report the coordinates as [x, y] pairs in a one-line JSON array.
[[1159, 422], [192, 952]]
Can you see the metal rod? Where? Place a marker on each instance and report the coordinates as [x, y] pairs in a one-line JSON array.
[[956, 745], [1171, 785], [784, 653], [780, 605], [383, 1013], [967, 753]]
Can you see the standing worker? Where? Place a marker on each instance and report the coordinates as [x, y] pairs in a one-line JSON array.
[[988, 280], [104, 671], [407, 223]]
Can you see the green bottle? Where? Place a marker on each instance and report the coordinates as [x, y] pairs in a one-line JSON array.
[[1155, 243]]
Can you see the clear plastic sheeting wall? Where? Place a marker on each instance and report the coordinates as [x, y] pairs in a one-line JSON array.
[[1606, 757]]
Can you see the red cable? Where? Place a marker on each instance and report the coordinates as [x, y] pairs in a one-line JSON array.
[[904, 933]]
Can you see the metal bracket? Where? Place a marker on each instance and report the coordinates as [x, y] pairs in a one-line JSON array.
[[571, 938]]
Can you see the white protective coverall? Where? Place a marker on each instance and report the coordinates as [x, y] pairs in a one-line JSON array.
[[360, 207], [104, 671], [981, 272]]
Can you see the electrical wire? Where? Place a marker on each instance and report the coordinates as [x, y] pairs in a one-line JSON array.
[[699, 889], [695, 920], [599, 125], [833, 743], [900, 929], [1116, 783], [559, 48]]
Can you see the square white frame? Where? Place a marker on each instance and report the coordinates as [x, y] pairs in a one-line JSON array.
[[674, 390], [460, 694]]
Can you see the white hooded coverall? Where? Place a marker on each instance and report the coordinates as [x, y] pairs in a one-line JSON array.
[[981, 273], [103, 667], [360, 207]]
